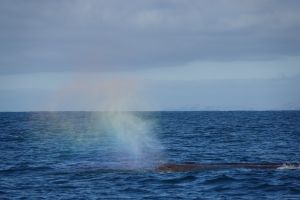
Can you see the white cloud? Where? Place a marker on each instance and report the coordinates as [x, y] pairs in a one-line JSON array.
[[70, 36]]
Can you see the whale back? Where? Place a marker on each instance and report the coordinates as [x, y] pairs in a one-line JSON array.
[[173, 167]]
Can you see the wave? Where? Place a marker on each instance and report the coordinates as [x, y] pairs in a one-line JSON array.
[[289, 166]]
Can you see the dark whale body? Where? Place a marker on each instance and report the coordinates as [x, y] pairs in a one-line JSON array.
[[172, 167], [189, 167]]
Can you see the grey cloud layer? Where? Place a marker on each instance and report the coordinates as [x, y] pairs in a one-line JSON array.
[[54, 36]]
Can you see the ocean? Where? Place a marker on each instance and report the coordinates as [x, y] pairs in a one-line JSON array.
[[102, 155]]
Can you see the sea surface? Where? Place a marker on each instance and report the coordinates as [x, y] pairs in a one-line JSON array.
[[96, 155]]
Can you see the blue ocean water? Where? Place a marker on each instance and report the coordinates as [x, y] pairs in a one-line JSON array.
[[75, 155]]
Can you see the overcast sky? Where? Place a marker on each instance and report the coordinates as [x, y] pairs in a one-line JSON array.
[[172, 54]]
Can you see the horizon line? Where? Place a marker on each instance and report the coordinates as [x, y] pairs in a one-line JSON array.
[[229, 110]]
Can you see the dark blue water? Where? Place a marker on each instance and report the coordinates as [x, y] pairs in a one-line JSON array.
[[69, 155]]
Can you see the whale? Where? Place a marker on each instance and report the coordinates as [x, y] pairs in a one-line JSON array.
[[182, 167], [185, 167]]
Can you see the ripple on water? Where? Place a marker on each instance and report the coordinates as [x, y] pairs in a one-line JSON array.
[[219, 179], [183, 178]]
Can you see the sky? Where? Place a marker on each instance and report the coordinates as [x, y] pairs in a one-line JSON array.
[[149, 55]]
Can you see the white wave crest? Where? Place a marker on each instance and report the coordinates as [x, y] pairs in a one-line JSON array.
[[289, 166]]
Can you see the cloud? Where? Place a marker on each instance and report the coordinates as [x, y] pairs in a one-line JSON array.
[[76, 36]]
